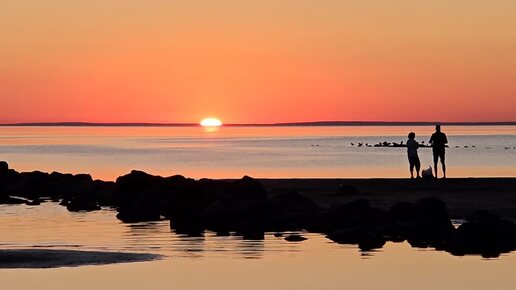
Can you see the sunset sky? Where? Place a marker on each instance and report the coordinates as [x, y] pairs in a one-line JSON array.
[[257, 61]]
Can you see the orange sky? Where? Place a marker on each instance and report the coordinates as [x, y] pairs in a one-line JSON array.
[[179, 61]]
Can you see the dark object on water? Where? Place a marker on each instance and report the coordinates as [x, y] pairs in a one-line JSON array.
[[295, 238]]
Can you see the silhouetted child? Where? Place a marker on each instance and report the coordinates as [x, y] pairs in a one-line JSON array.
[[413, 159]]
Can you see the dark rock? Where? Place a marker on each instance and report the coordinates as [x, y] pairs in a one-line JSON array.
[[357, 213], [363, 236], [403, 212], [4, 168], [135, 186], [251, 232], [371, 241], [485, 234], [79, 184], [230, 215], [32, 185], [82, 204], [244, 189], [433, 223], [425, 223], [104, 192], [295, 238], [185, 201], [217, 205], [291, 210], [347, 190], [36, 184], [293, 202], [223, 234], [193, 227], [348, 235], [140, 211]]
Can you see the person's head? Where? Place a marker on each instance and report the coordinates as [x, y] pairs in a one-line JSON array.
[[438, 128], [412, 135]]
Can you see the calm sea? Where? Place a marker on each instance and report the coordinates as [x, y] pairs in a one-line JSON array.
[[213, 262], [230, 152]]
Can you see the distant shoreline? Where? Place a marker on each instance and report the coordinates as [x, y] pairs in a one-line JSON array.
[[289, 124]]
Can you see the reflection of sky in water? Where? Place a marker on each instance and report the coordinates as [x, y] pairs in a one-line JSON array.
[[51, 225], [108, 152], [213, 262]]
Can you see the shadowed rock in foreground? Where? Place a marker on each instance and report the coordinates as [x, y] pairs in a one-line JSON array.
[[367, 213], [43, 258], [483, 233]]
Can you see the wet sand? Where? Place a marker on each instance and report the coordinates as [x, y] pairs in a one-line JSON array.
[[45, 258], [463, 196]]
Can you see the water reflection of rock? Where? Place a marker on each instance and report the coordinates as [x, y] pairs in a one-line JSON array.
[[195, 244], [251, 249], [188, 245]]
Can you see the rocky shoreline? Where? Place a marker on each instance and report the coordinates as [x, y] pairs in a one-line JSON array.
[[364, 212]]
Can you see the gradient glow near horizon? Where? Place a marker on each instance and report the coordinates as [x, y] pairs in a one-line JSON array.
[[257, 61]]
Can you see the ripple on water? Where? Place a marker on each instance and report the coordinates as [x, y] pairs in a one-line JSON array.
[[52, 226]]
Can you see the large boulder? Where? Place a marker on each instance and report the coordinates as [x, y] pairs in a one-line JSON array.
[[366, 238], [484, 234], [218, 205], [423, 223], [403, 212], [357, 213], [82, 204], [140, 211], [31, 185], [433, 224], [185, 201], [246, 188], [291, 210], [134, 186], [347, 190], [4, 168], [67, 185], [234, 215], [104, 192]]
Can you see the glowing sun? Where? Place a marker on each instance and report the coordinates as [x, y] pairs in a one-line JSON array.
[[211, 122]]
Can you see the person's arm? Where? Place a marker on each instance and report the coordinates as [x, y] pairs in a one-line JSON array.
[[445, 139], [431, 141]]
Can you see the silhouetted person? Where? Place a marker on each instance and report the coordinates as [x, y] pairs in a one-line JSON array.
[[413, 158], [439, 141]]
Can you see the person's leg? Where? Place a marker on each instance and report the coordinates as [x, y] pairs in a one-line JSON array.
[[411, 167], [436, 156], [418, 167], [443, 164]]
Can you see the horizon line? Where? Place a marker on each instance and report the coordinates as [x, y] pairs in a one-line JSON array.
[[306, 123]]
